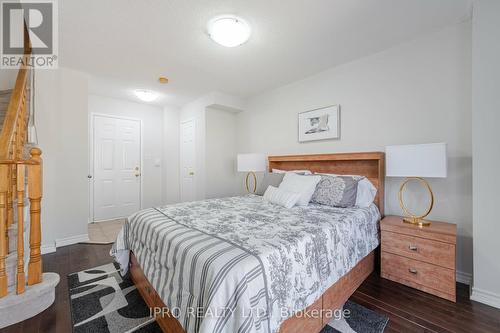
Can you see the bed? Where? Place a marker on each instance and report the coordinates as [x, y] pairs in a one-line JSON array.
[[243, 265]]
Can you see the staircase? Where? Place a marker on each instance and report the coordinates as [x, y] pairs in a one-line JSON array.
[[4, 104], [24, 289]]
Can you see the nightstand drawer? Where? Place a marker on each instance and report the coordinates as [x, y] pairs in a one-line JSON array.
[[420, 275], [434, 252]]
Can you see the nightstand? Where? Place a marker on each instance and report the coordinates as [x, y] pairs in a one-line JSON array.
[[420, 257]]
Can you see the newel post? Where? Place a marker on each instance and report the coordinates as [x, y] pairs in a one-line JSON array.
[[20, 276], [35, 197]]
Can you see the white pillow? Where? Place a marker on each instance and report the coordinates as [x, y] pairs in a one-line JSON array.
[[305, 185], [301, 172], [280, 197], [366, 191]]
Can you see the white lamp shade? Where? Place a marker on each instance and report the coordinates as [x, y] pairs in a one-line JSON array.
[[423, 160], [251, 162]]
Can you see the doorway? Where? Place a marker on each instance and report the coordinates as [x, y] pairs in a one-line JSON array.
[[188, 160], [115, 168]]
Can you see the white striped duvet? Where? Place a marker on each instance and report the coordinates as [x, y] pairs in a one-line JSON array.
[[243, 265]]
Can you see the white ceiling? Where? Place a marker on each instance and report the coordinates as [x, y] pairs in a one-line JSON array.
[[127, 44]]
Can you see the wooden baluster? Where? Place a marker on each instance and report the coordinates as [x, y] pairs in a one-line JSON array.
[[13, 172], [20, 277], [10, 188], [35, 196], [22, 137], [19, 129], [23, 126], [10, 194], [13, 197], [10, 210], [4, 184], [17, 146]]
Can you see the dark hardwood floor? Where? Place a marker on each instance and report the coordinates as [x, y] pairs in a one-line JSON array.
[[409, 310]]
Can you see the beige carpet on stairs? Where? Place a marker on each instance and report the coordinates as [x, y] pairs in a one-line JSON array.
[[104, 232]]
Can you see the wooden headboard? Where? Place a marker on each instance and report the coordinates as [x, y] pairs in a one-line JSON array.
[[371, 165]]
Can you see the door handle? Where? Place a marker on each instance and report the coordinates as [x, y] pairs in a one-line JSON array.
[[191, 173], [137, 173], [413, 248], [89, 176], [412, 271]]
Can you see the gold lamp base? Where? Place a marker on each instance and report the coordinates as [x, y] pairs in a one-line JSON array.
[[416, 221], [409, 216], [247, 182]]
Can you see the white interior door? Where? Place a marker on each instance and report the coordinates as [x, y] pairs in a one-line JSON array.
[[188, 160], [117, 167]]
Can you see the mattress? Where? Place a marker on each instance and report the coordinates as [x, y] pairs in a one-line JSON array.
[[240, 264]]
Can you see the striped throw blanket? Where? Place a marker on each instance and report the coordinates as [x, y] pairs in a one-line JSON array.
[[243, 265]]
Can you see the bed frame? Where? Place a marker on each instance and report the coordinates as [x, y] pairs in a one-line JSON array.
[[371, 165]]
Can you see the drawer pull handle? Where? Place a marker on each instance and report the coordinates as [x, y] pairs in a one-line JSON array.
[[413, 248], [412, 270]]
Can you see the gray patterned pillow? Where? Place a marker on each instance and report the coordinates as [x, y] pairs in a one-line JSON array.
[[273, 179], [338, 191]]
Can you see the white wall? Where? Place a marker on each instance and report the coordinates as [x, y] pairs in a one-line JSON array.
[[417, 92], [486, 150], [61, 117], [221, 153], [152, 145], [170, 193]]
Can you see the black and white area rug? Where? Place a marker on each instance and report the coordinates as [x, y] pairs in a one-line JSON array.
[[104, 301], [358, 319]]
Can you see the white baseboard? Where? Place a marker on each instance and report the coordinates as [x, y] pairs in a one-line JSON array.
[[51, 247], [48, 248], [485, 297], [72, 240], [465, 278]]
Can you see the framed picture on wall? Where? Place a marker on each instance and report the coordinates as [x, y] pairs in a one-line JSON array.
[[320, 124]]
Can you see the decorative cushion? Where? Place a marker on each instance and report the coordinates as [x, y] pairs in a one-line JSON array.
[[338, 191], [366, 190], [305, 185], [273, 179], [280, 197]]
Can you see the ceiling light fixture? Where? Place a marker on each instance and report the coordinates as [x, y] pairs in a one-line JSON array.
[[163, 79], [146, 95], [229, 30]]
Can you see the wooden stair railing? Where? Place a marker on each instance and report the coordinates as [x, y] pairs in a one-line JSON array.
[[17, 170]]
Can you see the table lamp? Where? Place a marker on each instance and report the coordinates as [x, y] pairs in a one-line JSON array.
[[251, 163], [416, 162]]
